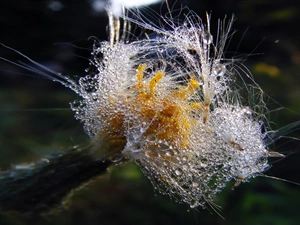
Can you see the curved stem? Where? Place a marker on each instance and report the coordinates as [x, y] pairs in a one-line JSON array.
[[43, 185]]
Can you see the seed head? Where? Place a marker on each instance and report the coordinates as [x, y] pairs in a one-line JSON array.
[[171, 104]]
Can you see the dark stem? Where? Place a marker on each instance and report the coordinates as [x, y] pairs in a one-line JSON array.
[[43, 185]]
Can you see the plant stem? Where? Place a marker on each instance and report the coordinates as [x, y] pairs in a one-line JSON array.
[[41, 186]]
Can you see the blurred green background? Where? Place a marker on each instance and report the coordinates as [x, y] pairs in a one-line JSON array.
[[35, 119]]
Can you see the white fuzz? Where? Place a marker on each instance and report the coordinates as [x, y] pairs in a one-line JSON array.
[[170, 104]]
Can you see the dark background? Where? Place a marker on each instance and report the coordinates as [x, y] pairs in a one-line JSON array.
[[35, 119]]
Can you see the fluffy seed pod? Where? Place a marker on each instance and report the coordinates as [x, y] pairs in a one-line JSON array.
[[170, 104]]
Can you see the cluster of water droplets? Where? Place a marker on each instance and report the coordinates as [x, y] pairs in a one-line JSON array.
[[222, 139], [229, 147]]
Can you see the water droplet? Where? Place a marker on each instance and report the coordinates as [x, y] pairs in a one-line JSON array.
[[193, 204], [144, 127], [203, 165], [116, 158], [184, 158], [178, 172], [195, 184], [166, 163], [134, 135], [169, 153], [219, 70], [135, 147], [151, 154], [43, 162], [275, 154], [185, 166], [173, 190], [246, 111], [176, 152], [151, 137], [207, 38]]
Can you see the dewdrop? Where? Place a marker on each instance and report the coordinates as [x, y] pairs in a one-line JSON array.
[[172, 104]]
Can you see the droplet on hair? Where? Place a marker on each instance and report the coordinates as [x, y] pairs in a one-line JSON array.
[[219, 70], [178, 172], [151, 137], [207, 38]]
